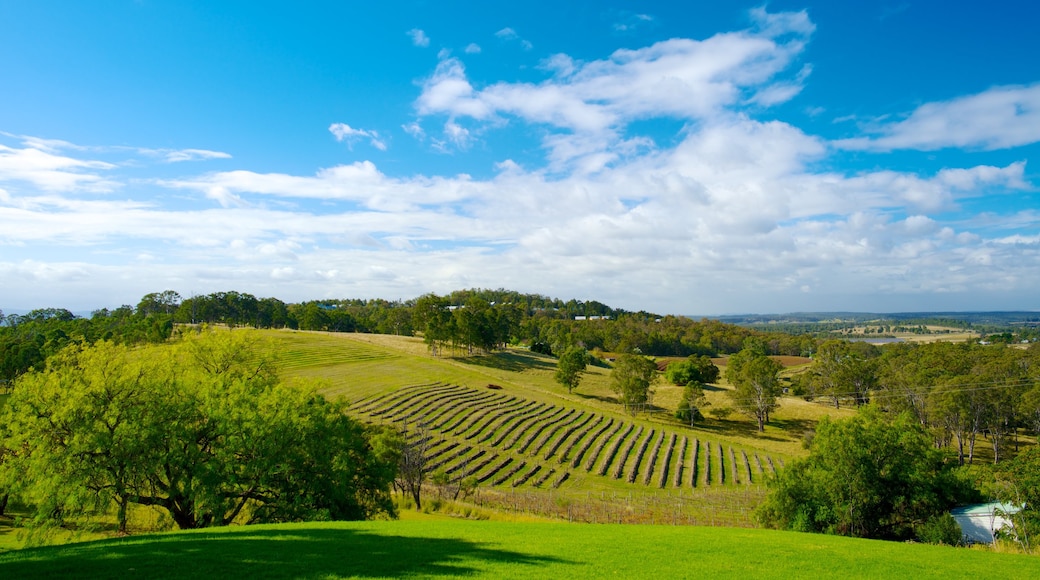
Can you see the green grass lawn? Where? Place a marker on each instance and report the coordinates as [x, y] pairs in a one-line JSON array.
[[443, 548]]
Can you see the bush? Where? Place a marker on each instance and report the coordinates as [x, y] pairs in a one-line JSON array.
[[866, 477], [541, 347], [941, 529]]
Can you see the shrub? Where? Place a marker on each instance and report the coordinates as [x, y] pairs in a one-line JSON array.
[[941, 529]]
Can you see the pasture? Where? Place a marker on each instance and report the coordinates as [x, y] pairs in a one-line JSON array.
[[440, 548]]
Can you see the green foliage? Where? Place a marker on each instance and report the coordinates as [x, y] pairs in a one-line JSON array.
[[939, 384], [202, 429], [941, 529], [1018, 484], [570, 367], [631, 379], [27, 340], [695, 369], [691, 403], [844, 370], [475, 325], [864, 477], [756, 382]]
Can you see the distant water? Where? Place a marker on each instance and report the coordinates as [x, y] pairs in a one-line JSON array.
[[876, 340]]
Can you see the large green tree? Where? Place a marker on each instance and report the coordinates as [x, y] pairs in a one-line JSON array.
[[203, 429], [866, 477], [631, 380], [695, 369], [756, 383], [843, 370], [570, 367]]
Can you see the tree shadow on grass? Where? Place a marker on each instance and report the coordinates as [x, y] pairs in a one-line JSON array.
[[601, 398], [267, 553], [509, 361], [749, 429]]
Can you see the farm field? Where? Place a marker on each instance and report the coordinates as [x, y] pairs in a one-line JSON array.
[[534, 448], [439, 548]]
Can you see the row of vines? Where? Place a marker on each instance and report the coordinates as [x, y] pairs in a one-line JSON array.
[[508, 441]]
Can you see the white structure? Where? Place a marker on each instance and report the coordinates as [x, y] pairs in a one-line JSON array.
[[980, 522]]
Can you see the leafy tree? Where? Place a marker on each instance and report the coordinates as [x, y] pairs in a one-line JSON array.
[[203, 429], [844, 370], [165, 302], [756, 383], [691, 403], [434, 319], [631, 379], [570, 367], [864, 477], [1018, 483], [695, 369]]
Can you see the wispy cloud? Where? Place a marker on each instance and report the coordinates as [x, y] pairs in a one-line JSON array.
[[998, 118], [345, 133], [194, 155], [508, 34], [41, 166], [419, 37], [627, 22]]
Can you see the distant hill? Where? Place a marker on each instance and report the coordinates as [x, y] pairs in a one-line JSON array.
[[996, 318]]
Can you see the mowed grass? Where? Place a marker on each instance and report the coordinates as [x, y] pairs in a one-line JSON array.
[[438, 548]]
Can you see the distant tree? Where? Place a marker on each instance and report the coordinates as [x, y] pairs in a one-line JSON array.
[[691, 404], [631, 380], [695, 369], [433, 317], [570, 367], [865, 477], [842, 370], [756, 384], [165, 302]]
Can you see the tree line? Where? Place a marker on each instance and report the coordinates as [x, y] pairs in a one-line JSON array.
[[958, 392], [463, 321]]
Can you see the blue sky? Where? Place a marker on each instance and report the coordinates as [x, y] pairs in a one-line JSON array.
[[678, 157]]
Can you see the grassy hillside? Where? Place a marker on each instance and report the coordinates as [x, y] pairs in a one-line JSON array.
[[536, 448], [446, 548]]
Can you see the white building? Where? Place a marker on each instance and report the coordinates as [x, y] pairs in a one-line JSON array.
[[980, 522]]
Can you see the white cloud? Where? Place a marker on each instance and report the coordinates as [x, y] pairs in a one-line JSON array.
[[194, 155], [629, 21], [472, 48], [508, 34], [43, 167], [998, 118], [594, 101], [414, 129], [418, 37], [343, 132]]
